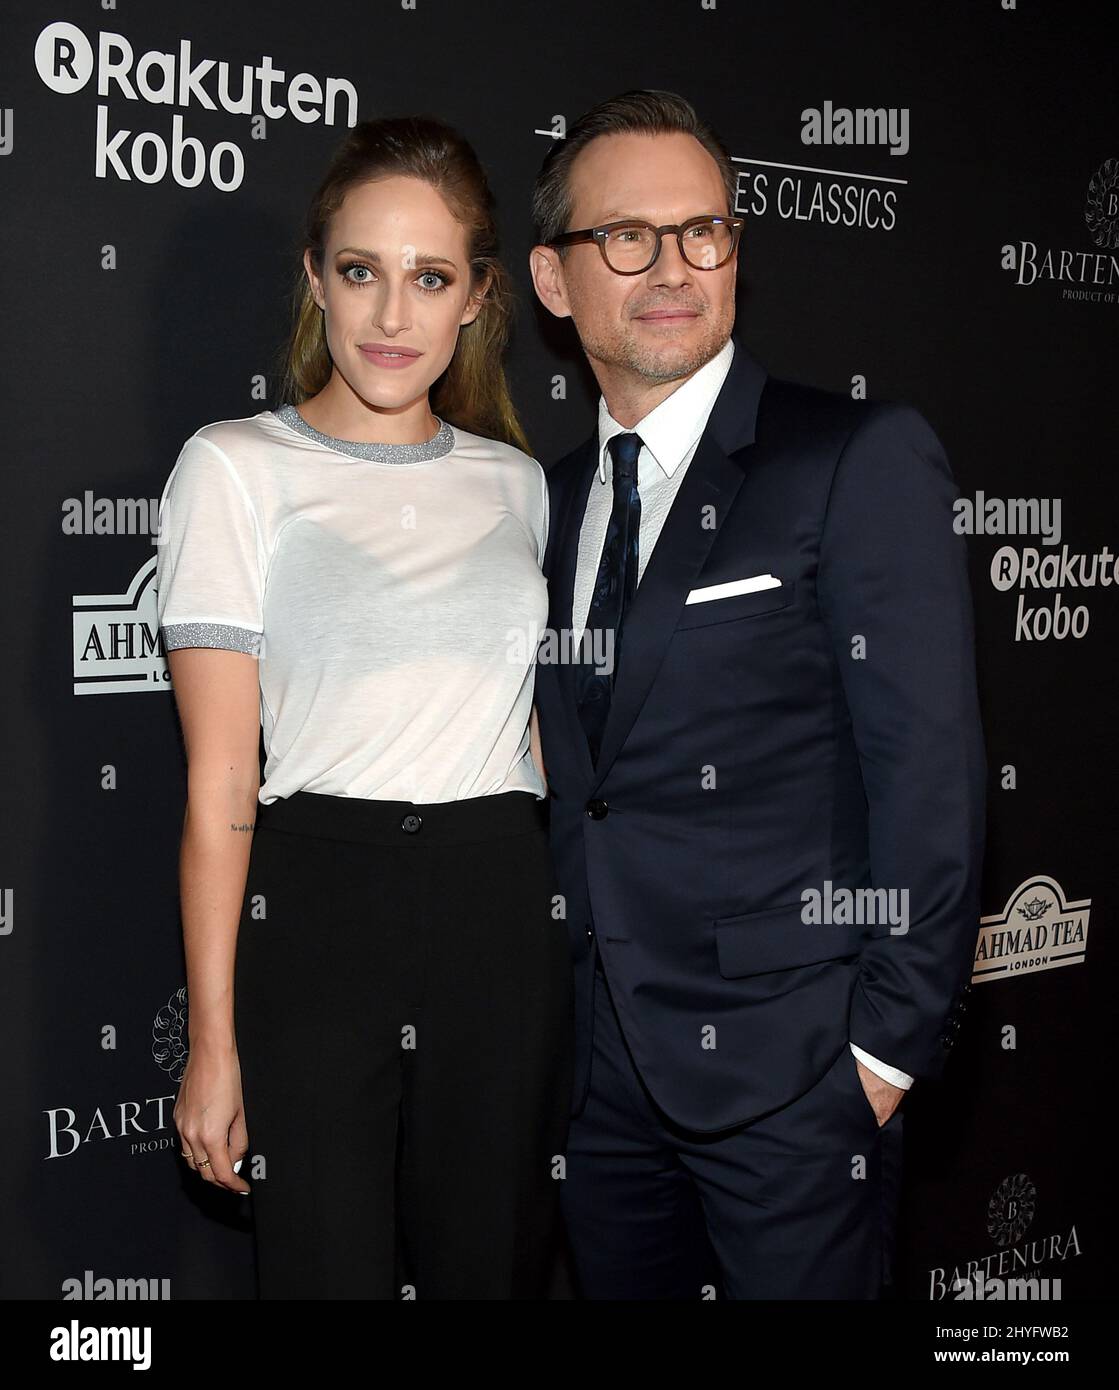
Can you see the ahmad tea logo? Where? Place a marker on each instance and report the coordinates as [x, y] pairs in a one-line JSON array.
[[118, 646], [1039, 929]]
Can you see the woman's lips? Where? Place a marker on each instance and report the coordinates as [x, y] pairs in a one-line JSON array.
[[384, 359]]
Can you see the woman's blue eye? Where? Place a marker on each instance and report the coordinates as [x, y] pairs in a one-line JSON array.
[[437, 289]]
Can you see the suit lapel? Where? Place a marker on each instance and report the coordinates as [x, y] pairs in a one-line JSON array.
[[712, 481]]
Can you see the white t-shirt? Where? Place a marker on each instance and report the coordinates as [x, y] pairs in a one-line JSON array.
[[392, 594]]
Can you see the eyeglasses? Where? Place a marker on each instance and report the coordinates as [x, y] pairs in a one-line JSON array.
[[631, 247]]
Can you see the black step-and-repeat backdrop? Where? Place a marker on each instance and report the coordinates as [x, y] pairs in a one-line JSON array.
[[932, 202]]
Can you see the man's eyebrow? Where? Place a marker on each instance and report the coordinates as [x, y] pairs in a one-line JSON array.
[[420, 258]]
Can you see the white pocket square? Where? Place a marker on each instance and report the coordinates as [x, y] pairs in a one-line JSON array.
[[733, 586]]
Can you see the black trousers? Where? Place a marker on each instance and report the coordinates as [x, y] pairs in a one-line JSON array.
[[403, 1011], [799, 1204]]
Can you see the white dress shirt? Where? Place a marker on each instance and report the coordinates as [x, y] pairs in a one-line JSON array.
[[669, 436]]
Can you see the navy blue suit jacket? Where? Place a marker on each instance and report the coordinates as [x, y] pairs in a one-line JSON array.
[[865, 770]]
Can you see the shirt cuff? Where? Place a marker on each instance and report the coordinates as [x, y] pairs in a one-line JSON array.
[[890, 1074]]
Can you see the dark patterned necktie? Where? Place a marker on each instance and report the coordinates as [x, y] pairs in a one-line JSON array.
[[613, 590]]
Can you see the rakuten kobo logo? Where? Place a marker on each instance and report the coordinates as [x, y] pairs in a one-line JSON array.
[[67, 62]]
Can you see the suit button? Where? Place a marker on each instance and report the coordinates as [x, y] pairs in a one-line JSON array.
[[597, 809], [411, 823], [966, 989], [590, 930], [945, 1040]]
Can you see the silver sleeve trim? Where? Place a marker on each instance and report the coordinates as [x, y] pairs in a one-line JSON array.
[[224, 635]]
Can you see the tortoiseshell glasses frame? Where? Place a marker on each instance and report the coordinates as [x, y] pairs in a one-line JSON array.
[[602, 234]]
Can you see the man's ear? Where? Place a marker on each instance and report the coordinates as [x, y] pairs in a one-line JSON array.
[[546, 269]]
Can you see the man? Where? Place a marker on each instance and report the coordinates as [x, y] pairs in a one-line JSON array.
[[786, 715]]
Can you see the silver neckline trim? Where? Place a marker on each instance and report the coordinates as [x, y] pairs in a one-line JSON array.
[[436, 448]]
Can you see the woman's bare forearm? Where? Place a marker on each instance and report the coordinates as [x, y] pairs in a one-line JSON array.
[[213, 869]]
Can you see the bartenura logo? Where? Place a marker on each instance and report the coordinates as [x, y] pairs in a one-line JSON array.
[[1039, 929], [1017, 1268], [118, 646], [67, 62], [145, 1124], [1084, 276]]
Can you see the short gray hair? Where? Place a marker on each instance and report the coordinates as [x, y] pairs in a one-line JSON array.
[[642, 111]]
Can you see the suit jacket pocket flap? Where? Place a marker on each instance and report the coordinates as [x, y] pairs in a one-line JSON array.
[[775, 938]]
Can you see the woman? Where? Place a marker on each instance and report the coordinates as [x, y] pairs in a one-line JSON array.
[[377, 968]]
